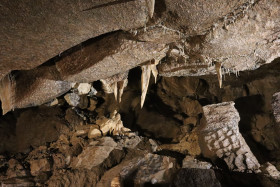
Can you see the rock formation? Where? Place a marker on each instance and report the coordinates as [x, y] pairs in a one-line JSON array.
[[140, 93], [221, 135]]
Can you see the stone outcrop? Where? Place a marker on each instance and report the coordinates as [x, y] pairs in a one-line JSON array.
[[276, 106], [44, 30], [196, 177], [222, 137], [147, 169], [113, 54], [237, 36], [243, 39]]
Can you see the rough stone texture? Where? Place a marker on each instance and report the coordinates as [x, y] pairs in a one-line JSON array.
[[43, 126], [31, 88], [249, 41], [242, 40], [194, 18], [271, 171], [72, 99], [18, 182], [16, 169], [113, 54], [73, 178], [38, 166], [113, 125], [237, 36], [34, 32], [158, 124], [190, 162], [148, 169], [84, 88], [196, 177], [251, 90], [276, 106], [222, 137], [155, 170], [94, 155], [188, 144]]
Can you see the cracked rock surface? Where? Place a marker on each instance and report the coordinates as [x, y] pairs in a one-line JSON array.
[[221, 135]]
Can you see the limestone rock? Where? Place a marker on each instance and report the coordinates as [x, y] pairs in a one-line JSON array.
[[190, 162], [222, 137], [113, 125], [196, 177], [116, 53], [95, 155], [130, 142], [200, 16], [71, 25], [147, 169], [39, 166], [44, 83], [94, 133], [76, 100], [84, 88], [31, 88], [72, 99], [271, 171], [43, 126], [22, 182], [73, 178], [155, 170], [243, 39], [276, 106], [16, 169], [188, 144]]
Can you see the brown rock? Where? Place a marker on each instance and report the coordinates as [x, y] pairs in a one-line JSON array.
[[27, 42], [190, 107], [39, 166], [35, 127], [196, 177], [59, 161], [199, 17], [145, 169], [16, 169], [31, 88], [114, 50], [95, 155]]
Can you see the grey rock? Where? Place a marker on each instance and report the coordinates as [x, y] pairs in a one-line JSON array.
[[222, 137]]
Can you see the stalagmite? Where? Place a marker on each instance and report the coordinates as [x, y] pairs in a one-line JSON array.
[[145, 78], [218, 67], [116, 182], [115, 84], [121, 86]]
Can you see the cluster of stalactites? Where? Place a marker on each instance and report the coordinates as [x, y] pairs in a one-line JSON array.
[[117, 83]]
